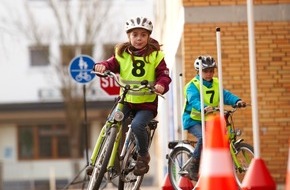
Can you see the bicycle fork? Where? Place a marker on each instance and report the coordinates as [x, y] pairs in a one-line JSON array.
[[100, 142], [234, 152], [98, 145]]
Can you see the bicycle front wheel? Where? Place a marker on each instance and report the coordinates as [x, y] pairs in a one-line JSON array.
[[244, 155], [177, 161], [127, 180], [104, 155]]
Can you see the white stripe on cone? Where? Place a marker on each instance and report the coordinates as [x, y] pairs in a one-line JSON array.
[[216, 163]]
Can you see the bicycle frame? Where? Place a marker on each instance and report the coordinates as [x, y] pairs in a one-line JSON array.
[[241, 153], [106, 149], [232, 137]]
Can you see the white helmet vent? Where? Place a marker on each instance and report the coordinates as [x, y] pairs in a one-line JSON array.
[[205, 62], [139, 22]]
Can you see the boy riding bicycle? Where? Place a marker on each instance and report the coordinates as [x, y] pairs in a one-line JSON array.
[[191, 113]]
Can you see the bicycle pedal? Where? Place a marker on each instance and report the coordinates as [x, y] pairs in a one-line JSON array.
[[183, 173], [113, 173], [133, 180]]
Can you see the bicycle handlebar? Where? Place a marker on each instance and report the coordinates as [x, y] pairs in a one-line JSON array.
[[235, 107], [144, 83]]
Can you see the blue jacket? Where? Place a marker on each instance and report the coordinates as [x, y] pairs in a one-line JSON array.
[[192, 100]]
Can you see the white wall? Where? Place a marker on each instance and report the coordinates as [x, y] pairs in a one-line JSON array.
[[22, 82], [19, 82], [8, 143]]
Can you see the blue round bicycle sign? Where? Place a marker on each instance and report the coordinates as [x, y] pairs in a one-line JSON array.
[[80, 69]]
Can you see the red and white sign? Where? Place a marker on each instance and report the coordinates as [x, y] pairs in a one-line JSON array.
[[109, 86]]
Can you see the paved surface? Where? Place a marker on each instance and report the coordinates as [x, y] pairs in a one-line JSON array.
[[142, 188], [111, 187], [279, 187]]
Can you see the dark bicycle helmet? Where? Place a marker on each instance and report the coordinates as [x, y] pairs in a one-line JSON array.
[[206, 62], [139, 22]]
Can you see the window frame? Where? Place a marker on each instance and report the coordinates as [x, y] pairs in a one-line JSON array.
[[54, 133], [39, 54], [68, 52]]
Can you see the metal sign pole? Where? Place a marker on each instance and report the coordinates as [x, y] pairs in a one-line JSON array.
[[257, 176], [201, 103], [202, 116], [80, 70], [220, 72], [86, 124], [252, 57], [181, 106]]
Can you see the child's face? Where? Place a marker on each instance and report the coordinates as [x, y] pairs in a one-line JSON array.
[[138, 38], [207, 74]]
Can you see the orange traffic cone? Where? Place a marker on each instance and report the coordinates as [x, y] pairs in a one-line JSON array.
[[258, 177], [167, 184], [185, 184], [288, 171], [216, 165]]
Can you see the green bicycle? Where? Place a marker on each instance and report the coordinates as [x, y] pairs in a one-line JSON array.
[[108, 163], [181, 153]]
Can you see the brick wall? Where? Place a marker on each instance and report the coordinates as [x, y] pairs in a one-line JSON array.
[[273, 77], [187, 3]]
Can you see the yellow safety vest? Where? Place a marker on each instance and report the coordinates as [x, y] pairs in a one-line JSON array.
[[210, 97], [134, 73]]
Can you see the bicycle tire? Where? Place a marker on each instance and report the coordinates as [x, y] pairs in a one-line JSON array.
[[102, 161], [176, 160], [127, 179], [244, 155]]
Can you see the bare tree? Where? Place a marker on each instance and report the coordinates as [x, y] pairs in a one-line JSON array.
[[76, 25]]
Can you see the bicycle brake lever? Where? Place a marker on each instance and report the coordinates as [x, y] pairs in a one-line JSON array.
[[107, 73], [99, 74]]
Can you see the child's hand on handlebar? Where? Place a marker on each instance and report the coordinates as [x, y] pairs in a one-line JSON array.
[[208, 109], [159, 88], [241, 104], [99, 68]]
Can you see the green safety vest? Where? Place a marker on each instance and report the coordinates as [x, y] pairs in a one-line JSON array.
[[210, 96], [134, 73]]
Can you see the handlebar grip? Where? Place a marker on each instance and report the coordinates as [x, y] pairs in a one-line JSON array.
[[240, 105], [104, 74], [144, 82]]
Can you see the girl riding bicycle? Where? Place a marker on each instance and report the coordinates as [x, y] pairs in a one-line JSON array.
[[136, 60], [191, 113]]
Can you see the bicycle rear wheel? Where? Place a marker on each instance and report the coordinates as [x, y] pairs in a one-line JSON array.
[[244, 155], [177, 160], [105, 152], [127, 179]]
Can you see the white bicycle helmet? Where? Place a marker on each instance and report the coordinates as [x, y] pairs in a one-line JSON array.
[[206, 62], [139, 22]]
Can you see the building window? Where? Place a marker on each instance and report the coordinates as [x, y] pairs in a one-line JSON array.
[[26, 142], [39, 55], [68, 52], [45, 142]]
